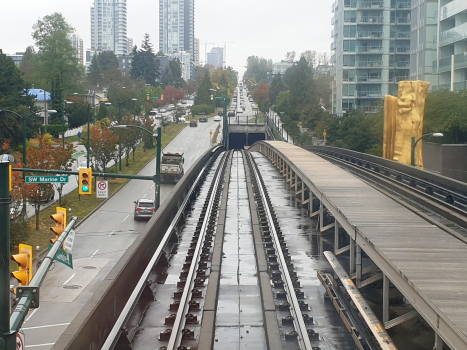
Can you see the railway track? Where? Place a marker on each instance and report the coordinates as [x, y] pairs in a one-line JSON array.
[[204, 274], [439, 204]]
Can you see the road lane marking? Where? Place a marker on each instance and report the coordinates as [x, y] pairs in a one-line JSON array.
[[152, 186], [94, 254], [111, 233], [35, 346], [145, 195], [50, 325], [32, 313], [126, 217], [68, 280]]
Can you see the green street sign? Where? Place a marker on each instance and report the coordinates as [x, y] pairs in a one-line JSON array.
[[64, 257], [46, 179], [155, 96]]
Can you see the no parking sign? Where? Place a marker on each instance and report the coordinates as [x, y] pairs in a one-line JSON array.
[[102, 189]]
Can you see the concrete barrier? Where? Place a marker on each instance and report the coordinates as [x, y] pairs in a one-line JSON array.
[[90, 328]]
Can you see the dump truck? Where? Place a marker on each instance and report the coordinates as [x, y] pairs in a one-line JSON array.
[[171, 167]]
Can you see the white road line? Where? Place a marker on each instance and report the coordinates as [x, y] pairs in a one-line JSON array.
[[126, 217], [145, 195], [35, 346], [111, 233], [68, 280], [94, 254], [152, 186], [50, 325], [32, 313]]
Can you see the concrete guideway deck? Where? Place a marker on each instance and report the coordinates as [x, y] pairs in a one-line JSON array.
[[425, 263]]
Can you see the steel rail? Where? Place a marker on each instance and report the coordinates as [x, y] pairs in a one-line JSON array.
[[176, 334], [114, 334], [439, 192], [300, 326], [436, 205]]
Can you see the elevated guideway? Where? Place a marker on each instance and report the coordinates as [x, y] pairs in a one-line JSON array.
[[426, 264]]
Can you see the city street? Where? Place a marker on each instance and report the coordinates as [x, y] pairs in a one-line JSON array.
[[99, 243]]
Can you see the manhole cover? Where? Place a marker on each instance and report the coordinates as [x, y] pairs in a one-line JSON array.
[[73, 286], [89, 267]]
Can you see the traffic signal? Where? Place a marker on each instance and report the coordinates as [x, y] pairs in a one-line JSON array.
[[60, 223], [212, 97], [24, 261], [147, 97], [85, 181], [162, 97]]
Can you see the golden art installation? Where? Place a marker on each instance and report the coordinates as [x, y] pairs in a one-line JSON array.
[[403, 118]]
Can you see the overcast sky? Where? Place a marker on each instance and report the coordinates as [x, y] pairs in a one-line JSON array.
[[265, 28]]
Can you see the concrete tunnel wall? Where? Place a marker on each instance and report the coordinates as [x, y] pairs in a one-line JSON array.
[[90, 328], [239, 140]]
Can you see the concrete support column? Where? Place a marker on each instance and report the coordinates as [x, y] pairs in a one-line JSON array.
[[352, 256], [358, 266], [321, 216], [303, 199], [385, 299], [336, 236]]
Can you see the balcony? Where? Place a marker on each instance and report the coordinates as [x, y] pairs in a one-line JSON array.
[[369, 35], [460, 61], [369, 64], [369, 79], [404, 5], [369, 94], [402, 65], [401, 78], [370, 4], [371, 20], [453, 35], [369, 49]]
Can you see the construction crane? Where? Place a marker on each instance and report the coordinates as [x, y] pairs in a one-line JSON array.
[[225, 51]]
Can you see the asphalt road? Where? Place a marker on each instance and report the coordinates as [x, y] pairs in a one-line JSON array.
[[99, 243]]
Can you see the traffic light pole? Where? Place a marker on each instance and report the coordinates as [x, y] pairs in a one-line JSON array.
[[7, 341], [30, 294]]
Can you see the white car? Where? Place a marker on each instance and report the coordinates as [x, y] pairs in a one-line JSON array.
[[239, 111], [182, 119], [217, 118], [163, 110]]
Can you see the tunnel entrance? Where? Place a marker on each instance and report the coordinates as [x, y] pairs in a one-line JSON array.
[[240, 140]]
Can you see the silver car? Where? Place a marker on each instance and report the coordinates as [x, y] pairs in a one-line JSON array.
[[144, 208]]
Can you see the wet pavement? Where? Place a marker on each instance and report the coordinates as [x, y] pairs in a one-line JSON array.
[[305, 247], [239, 319]]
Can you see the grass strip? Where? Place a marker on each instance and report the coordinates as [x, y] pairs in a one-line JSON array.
[[83, 205]]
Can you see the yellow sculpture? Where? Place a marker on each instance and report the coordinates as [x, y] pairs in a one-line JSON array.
[[403, 118]]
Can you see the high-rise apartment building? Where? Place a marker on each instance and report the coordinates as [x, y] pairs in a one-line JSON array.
[[423, 41], [130, 45], [176, 26], [450, 62], [77, 44], [196, 52], [371, 51], [109, 26], [185, 63], [216, 57]]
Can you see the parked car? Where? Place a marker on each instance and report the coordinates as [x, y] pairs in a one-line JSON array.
[[193, 123], [231, 113], [217, 118], [203, 119], [144, 208]]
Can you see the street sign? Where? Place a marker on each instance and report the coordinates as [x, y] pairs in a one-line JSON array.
[[19, 341], [46, 179], [64, 257], [155, 96], [68, 245], [102, 189], [324, 133]]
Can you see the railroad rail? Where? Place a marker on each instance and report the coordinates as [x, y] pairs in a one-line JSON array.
[[428, 193]]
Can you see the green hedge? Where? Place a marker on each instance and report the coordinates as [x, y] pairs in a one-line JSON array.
[[201, 109], [54, 130]]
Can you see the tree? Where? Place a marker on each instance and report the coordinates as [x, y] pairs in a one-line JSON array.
[[129, 138], [203, 95], [107, 60], [277, 86], [172, 94], [12, 89], [144, 64], [261, 96], [103, 145], [26, 65], [44, 156], [94, 72], [290, 56], [56, 62], [311, 56], [167, 77]]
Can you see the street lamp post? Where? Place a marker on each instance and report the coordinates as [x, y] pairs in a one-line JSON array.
[[157, 177], [414, 144], [119, 105]]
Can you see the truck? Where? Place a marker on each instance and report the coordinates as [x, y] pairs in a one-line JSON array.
[[171, 167]]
